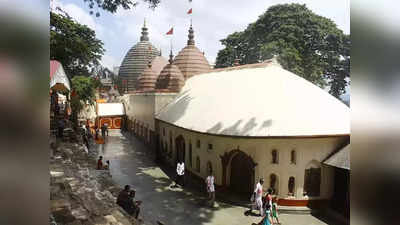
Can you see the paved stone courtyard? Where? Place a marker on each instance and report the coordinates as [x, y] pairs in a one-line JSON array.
[[132, 164]]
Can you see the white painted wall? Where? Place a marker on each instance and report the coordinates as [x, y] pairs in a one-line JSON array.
[[259, 149], [144, 106]]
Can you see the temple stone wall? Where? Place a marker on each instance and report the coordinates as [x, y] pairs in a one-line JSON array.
[[309, 151]]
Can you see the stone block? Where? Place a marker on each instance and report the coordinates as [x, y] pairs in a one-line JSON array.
[[121, 218], [80, 213], [63, 216], [59, 204]]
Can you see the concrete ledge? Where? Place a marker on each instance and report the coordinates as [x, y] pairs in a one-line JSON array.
[[295, 210]]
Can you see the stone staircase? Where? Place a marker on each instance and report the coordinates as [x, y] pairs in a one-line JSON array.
[[79, 194]]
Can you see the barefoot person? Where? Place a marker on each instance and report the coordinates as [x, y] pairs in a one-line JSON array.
[[180, 170], [134, 208], [258, 198], [100, 163], [274, 212], [210, 188]]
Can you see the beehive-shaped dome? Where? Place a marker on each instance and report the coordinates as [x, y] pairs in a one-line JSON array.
[[171, 78], [158, 63], [136, 61], [147, 80], [190, 60]]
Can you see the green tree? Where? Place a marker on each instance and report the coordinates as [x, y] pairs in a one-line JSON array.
[[74, 45], [306, 44], [112, 5], [83, 93]]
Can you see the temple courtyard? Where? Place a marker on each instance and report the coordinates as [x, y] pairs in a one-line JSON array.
[[133, 164]]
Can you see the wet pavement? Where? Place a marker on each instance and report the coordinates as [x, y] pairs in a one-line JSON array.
[[131, 163]]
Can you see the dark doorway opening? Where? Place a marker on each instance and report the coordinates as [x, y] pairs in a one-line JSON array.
[[242, 174], [180, 149]]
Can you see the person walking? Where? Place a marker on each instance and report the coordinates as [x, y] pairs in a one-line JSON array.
[[274, 212], [210, 188], [103, 132], [257, 196], [180, 170]]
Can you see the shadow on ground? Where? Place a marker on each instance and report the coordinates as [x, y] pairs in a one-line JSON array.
[[133, 164]]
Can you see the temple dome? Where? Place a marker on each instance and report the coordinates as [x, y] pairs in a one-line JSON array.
[[190, 60], [267, 101], [170, 79], [136, 60], [158, 63], [147, 80]]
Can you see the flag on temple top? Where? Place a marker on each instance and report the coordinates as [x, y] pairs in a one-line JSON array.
[[190, 11], [171, 31]]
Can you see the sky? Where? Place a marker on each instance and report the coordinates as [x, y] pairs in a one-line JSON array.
[[212, 20]]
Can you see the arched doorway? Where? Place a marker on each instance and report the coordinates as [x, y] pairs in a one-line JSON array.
[[242, 173], [312, 179], [180, 148]]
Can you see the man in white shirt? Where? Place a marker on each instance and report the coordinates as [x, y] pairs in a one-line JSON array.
[[210, 188], [180, 170], [258, 197]]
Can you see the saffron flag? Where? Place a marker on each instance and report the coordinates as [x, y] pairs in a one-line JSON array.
[[190, 11], [171, 31]]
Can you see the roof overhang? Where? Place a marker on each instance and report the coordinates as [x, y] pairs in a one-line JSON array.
[[340, 159], [110, 109]]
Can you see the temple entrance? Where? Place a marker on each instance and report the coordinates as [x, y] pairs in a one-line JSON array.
[[180, 149], [242, 174], [312, 179]]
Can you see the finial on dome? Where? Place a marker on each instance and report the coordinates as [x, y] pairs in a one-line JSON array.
[[191, 35], [144, 36], [171, 56]]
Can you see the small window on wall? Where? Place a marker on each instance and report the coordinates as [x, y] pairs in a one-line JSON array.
[[274, 154], [190, 155], [198, 143], [210, 146], [209, 168], [291, 186], [293, 157], [198, 164], [273, 180]]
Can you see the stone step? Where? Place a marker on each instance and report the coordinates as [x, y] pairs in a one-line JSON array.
[[294, 210]]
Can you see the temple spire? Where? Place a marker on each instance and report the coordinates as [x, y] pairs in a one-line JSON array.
[[145, 34], [171, 56], [191, 35]]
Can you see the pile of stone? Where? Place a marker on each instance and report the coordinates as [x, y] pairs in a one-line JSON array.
[[80, 194]]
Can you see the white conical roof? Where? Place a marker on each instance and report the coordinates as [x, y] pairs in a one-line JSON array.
[[267, 101]]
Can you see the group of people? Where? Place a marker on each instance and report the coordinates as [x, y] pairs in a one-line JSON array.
[[180, 179], [104, 131], [101, 166], [126, 199], [265, 204]]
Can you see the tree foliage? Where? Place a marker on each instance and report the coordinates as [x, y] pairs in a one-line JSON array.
[[83, 93], [112, 5], [306, 44], [74, 45]]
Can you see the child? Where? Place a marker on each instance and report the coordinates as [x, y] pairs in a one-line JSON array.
[[107, 166], [274, 212]]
